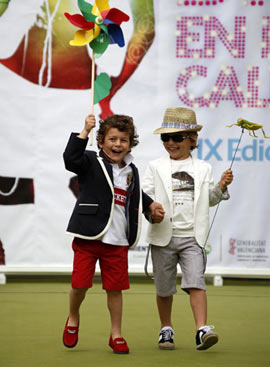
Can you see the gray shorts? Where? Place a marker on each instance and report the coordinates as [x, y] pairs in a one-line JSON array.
[[191, 258]]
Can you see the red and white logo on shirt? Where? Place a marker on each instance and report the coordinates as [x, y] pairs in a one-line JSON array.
[[120, 196]]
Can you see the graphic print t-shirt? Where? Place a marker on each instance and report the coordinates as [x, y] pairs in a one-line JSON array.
[[117, 232], [183, 197]]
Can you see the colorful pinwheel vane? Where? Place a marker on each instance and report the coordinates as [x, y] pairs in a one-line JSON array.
[[99, 26]]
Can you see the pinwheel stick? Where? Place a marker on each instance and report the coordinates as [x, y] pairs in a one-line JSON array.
[[92, 93]]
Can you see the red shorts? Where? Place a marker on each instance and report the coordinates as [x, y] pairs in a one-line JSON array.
[[113, 262]]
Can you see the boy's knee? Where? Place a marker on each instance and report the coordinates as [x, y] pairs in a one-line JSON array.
[[113, 293], [79, 291]]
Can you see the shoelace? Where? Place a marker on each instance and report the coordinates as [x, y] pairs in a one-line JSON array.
[[208, 328], [167, 334]]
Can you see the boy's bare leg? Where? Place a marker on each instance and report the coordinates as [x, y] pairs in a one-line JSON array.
[[164, 305], [198, 304], [76, 296], [115, 306]]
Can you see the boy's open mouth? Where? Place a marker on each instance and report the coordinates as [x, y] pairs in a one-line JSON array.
[[117, 151]]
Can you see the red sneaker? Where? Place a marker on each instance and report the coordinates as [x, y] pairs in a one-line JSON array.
[[70, 335], [119, 345]]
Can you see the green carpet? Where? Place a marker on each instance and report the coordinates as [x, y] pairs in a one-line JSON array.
[[33, 315]]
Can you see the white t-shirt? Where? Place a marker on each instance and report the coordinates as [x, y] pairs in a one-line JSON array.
[[117, 232], [183, 197]]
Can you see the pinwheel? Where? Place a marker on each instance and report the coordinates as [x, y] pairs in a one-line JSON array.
[[99, 26]]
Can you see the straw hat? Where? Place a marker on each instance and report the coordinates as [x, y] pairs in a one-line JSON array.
[[178, 119]]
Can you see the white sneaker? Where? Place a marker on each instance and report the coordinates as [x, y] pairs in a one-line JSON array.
[[205, 338], [166, 335]]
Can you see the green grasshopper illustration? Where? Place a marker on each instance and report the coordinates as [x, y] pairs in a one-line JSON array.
[[250, 126]]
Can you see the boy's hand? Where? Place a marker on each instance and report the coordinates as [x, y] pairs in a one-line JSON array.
[[89, 124], [157, 212], [226, 179]]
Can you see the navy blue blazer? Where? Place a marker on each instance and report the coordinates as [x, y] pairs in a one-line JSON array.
[[92, 214]]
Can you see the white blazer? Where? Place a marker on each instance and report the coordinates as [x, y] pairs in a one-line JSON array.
[[157, 183]]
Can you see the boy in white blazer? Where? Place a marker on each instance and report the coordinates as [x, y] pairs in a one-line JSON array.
[[184, 186]]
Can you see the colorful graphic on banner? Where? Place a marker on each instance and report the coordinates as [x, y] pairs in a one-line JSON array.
[[45, 57]]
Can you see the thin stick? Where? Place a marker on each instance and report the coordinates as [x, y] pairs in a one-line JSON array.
[[237, 148], [92, 93], [221, 194]]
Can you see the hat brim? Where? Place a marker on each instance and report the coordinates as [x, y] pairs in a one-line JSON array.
[[167, 130]]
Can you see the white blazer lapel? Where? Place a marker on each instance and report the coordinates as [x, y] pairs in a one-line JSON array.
[[165, 175], [197, 179]]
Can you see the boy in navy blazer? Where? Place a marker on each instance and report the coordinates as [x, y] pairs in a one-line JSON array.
[[106, 220]]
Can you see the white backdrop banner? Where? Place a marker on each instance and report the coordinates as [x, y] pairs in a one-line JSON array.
[[212, 56]]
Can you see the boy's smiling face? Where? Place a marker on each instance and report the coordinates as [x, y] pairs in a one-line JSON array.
[[178, 151], [116, 145]]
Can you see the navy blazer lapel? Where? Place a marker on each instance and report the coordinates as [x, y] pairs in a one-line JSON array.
[[107, 164]]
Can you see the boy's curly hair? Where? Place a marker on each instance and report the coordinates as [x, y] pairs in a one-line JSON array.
[[123, 123]]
